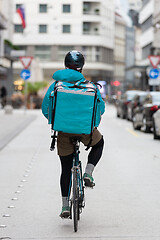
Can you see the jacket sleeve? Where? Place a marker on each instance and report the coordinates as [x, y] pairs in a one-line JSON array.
[[45, 103], [102, 104]]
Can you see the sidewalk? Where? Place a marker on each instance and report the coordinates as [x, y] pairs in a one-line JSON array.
[[12, 124]]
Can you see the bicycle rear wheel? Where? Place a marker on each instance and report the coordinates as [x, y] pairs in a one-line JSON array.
[[75, 200]]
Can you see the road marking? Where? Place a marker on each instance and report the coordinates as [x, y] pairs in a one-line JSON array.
[[132, 132]]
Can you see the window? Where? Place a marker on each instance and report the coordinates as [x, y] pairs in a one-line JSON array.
[[18, 28], [42, 28], [66, 8], [18, 6], [146, 51], [147, 24], [66, 29], [43, 52], [42, 8], [87, 53], [86, 26], [144, 2], [20, 47], [86, 7], [63, 50]]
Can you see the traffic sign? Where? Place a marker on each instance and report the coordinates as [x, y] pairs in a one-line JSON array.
[[154, 60], [154, 73], [26, 61], [25, 74]]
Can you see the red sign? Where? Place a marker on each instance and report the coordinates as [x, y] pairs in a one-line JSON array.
[[115, 83], [26, 61], [154, 60]]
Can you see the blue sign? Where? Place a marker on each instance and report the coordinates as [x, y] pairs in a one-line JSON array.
[[154, 73], [25, 74]]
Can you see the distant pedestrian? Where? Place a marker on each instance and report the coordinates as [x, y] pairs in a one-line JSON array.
[[3, 95]]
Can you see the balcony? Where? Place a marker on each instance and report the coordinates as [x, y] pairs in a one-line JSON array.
[[91, 8], [90, 28]]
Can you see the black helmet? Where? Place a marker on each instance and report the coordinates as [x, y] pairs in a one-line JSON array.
[[74, 60]]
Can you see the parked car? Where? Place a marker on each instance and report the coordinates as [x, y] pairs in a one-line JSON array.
[[138, 98], [142, 114], [122, 103], [156, 125]]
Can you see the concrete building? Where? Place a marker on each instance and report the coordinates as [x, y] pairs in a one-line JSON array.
[[6, 78], [135, 4], [156, 26], [56, 27], [147, 38], [119, 51], [3, 24]]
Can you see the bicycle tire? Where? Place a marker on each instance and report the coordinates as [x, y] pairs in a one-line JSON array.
[[75, 201]]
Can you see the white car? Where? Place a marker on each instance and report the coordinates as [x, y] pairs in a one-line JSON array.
[[156, 124]]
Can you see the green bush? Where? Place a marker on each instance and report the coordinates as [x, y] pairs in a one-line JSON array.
[[33, 88]]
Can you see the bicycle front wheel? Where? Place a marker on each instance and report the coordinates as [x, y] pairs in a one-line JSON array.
[[75, 200]]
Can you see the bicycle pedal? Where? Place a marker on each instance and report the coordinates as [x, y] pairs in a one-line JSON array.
[[88, 183], [66, 217]]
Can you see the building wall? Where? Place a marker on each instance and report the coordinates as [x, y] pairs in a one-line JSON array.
[[3, 69], [119, 50], [156, 25], [135, 4], [96, 44], [147, 36]]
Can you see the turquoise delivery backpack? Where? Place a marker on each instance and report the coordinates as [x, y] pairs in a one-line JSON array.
[[74, 107]]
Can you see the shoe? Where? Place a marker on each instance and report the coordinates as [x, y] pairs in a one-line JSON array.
[[65, 212], [88, 180]]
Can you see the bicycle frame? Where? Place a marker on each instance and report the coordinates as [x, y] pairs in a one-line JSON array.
[[76, 173]]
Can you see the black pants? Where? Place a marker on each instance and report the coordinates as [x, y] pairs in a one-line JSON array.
[[67, 162]]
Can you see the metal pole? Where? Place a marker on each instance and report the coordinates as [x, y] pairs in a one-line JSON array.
[[25, 95]]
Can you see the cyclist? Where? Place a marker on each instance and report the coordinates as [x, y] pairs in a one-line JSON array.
[[74, 62]]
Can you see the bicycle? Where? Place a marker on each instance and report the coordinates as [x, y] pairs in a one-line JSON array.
[[76, 185]]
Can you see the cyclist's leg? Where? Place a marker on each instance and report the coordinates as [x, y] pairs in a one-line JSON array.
[[95, 153], [66, 164], [93, 157], [65, 152]]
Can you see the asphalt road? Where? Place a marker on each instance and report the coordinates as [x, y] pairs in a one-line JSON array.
[[124, 205]]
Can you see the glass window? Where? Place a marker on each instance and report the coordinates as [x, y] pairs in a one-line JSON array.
[[86, 26], [20, 47], [42, 28], [18, 28], [42, 8], [63, 50], [66, 28], [147, 24], [18, 6], [43, 52], [66, 8], [88, 53], [86, 7], [146, 51]]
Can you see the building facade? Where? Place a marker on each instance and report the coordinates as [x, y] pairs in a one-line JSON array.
[[6, 77], [156, 26], [147, 36], [135, 4], [147, 39], [119, 51], [54, 28]]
